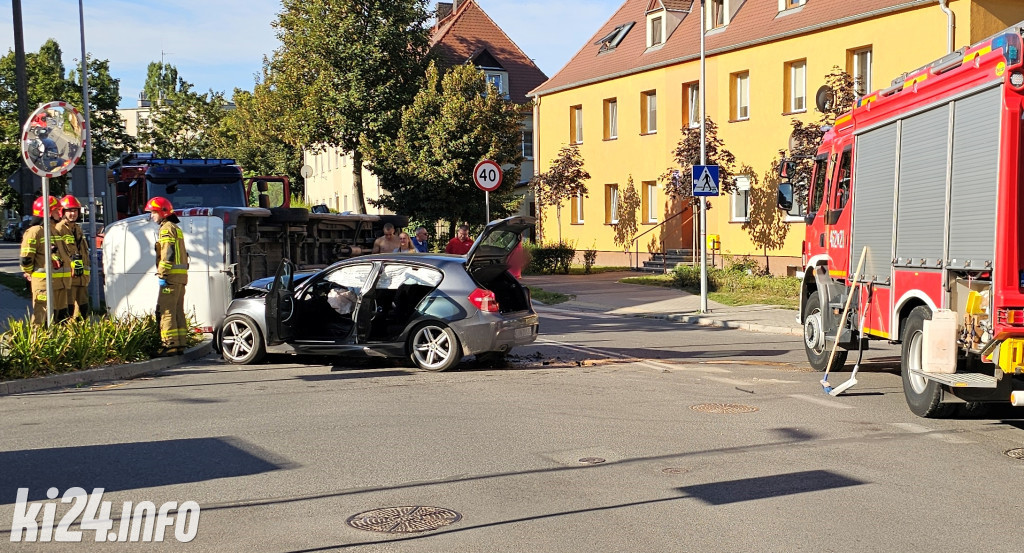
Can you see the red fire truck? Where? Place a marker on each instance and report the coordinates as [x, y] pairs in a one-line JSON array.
[[923, 181]]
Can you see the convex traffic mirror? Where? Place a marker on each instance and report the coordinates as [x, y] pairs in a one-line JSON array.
[[53, 139]]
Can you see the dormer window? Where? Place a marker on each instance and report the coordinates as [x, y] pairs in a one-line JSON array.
[[500, 81], [718, 14], [655, 30], [790, 4], [614, 37]]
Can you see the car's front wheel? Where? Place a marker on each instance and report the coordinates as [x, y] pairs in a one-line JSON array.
[[434, 347], [241, 342]]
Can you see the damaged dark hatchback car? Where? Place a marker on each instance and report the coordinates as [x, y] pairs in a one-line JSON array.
[[433, 309]]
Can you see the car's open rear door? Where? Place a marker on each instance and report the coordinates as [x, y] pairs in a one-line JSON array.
[[280, 304]]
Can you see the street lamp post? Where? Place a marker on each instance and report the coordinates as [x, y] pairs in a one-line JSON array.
[[94, 282], [703, 161]]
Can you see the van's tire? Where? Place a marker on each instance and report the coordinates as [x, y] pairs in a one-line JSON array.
[[814, 341], [924, 397], [241, 342], [288, 215]]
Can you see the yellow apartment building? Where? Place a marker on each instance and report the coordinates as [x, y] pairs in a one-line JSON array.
[[626, 95]]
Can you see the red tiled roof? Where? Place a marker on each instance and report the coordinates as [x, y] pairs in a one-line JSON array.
[[466, 33], [755, 21]]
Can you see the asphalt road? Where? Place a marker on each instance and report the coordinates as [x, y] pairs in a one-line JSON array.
[[602, 436]]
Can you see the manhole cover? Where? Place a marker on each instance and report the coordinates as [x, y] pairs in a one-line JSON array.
[[723, 408], [1016, 453], [403, 520], [591, 460]]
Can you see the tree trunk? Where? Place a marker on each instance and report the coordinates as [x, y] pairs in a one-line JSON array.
[[558, 215], [357, 181]]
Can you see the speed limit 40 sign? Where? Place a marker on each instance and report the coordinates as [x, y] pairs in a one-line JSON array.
[[487, 175]]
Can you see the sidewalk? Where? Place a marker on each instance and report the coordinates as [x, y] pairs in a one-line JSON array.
[[11, 306], [603, 293]]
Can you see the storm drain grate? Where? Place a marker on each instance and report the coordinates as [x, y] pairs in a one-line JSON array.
[[1016, 453], [403, 520], [723, 408]]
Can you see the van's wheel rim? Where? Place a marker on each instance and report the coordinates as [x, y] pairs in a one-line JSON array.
[[432, 347], [917, 382], [814, 338], [238, 341]]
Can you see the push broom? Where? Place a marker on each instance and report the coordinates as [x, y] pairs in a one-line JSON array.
[[842, 322]]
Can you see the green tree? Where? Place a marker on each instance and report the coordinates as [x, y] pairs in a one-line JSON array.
[[161, 80], [454, 122], [109, 137], [629, 204], [679, 180], [806, 137], [564, 180], [766, 223], [184, 123], [344, 69]]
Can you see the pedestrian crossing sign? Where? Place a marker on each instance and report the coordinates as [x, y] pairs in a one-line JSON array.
[[705, 180]]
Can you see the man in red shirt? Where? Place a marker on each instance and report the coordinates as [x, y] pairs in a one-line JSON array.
[[461, 244]]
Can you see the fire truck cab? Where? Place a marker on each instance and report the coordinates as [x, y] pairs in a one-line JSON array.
[[919, 186]]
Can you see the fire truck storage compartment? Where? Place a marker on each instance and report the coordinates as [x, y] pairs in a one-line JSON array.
[[929, 165]]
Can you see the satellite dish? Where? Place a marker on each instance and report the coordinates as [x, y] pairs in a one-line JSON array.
[[306, 171], [824, 99]]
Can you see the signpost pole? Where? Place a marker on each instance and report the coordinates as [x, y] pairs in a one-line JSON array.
[[703, 161], [47, 246], [487, 203]]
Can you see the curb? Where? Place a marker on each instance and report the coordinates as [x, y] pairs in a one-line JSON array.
[[109, 372]]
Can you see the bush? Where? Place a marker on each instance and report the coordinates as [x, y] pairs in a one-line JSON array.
[[589, 258], [27, 351], [744, 265], [551, 259], [734, 280]]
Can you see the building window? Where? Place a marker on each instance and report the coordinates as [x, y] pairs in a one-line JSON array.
[[650, 201], [740, 96], [611, 119], [611, 204], [741, 199], [608, 42], [718, 14], [527, 143], [654, 31], [796, 86], [576, 125], [691, 105], [790, 4], [577, 209], [858, 65], [649, 112]]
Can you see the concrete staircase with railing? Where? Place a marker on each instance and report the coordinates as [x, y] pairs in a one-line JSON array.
[[664, 262]]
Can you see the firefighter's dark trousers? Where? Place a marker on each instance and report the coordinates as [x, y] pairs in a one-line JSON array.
[[170, 310], [78, 301], [58, 304]]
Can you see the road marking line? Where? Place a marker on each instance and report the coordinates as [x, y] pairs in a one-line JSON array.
[[821, 401], [941, 435], [649, 363]]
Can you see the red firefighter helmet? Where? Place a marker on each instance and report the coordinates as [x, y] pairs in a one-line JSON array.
[[37, 206], [161, 206], [70, 202]]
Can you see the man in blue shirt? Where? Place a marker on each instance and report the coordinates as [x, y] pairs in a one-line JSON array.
[[419, 240]]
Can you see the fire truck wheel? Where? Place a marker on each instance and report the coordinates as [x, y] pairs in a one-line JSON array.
[[924, 397], [241, 342], [814, 338]]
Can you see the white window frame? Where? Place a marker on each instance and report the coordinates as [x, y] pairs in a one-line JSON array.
[[712, 23], [742, 96], [868, 54], [612, 112], [693, 97], [613, 203], [651, 108], [790, 4], [577, 113], [798, 86], [740, 198], [656, 19], [652, 202], [578, 200]]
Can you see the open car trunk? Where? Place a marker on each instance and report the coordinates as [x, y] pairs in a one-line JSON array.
[[487, 262], [511, 295]]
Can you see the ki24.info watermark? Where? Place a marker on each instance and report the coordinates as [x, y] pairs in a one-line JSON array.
[[142, 521]]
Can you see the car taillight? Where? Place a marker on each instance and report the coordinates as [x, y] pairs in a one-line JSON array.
[[1013, 316], [484, 300]]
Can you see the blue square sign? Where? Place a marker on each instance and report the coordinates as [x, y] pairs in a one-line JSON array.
[[705, 180]]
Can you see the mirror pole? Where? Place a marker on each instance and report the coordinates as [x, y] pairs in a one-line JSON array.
[[47, 221]]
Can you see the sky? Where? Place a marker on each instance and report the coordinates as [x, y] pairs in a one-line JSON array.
[[220, 44]]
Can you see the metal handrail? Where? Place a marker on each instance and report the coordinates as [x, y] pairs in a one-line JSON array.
[[636, 244]]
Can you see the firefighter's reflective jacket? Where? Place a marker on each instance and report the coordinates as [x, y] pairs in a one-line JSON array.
[[171, 257], [78, 250], [35, 255]]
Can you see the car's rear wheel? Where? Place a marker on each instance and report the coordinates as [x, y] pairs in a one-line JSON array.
[[435, 347], [241, 342]]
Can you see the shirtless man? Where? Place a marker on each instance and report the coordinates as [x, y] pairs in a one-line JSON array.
[[388, 242]]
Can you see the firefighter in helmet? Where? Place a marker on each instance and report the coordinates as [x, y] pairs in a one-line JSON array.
[[78, 248], [172, 273], [35, 254]]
